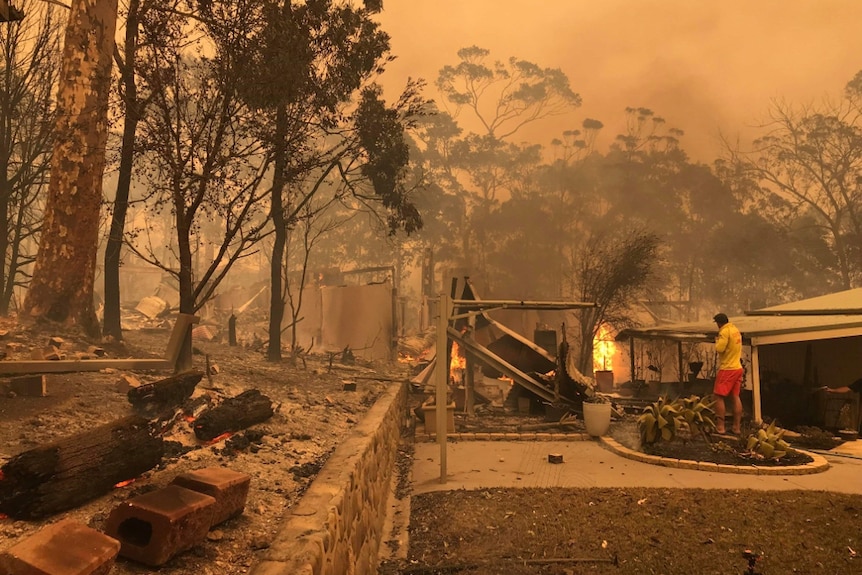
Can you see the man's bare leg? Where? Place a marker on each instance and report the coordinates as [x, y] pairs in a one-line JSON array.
[[719, 414], [737, 415]]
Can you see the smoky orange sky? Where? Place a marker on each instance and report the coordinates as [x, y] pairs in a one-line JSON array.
[[708, 68]]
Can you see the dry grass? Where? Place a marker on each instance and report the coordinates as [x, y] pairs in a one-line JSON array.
[[620, 531]]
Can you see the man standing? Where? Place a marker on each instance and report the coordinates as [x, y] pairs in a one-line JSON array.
[[728, 381]]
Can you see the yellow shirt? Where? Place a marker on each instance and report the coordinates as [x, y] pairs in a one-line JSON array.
[[728, 344]]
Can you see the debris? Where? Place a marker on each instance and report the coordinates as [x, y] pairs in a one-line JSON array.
[[30, 386], [127, 382], [555, 458], [96, 351], [235, 413], [152, 306], [203, 332], [61, 475]]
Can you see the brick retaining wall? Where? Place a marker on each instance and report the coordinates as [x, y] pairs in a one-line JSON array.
[[336, 528]]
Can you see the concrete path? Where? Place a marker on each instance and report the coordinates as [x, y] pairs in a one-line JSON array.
[[484, 464]]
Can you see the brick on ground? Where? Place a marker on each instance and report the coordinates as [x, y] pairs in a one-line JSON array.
[[63, 548]]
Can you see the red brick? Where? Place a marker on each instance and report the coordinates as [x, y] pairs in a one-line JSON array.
[[63, 548], [228, 487], [154, 527]]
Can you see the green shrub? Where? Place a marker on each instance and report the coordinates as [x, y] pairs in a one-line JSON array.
[[659, 421], [768, 443], [698, 414]]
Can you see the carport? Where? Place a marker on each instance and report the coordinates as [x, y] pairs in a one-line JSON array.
[[814, 342]]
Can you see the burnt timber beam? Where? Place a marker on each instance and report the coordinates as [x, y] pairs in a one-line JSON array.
[[502, 366], [169, 362]]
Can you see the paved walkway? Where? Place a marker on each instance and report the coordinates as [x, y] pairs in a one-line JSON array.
[[484, 464]]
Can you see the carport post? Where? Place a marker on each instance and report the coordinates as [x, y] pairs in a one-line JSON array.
[[755, 383], [442, 373]]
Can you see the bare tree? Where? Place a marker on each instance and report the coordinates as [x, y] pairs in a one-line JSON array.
[[201, 161], [321, 56], [143, 25], [31, 58], [613, 271], [811, 158], [62, 286]]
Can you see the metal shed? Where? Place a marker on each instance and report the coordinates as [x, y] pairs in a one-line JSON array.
[[821, 337]]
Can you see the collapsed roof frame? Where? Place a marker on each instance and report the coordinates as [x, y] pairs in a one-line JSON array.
[[447, 319]]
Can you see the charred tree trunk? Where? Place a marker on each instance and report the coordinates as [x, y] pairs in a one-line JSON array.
[[165, 393], [63, 277], [276, 298], [67, 473], [235, 413], [111, 322]]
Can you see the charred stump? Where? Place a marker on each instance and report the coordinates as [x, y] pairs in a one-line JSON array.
[[165, 393], [69, 472], [235, 413]]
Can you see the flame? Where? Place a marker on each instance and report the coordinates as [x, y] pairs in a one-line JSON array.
[[189, 418], [458, 361], [124, 483], [604, 349], [216, 439]]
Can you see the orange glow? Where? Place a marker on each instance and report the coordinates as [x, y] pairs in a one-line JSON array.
[[3, 516], [406, 358], [124, 483], [215, 440], [189, 418], [457, 361], [604, 349]]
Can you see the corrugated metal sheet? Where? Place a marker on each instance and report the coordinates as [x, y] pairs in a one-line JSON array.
[[836, 316]]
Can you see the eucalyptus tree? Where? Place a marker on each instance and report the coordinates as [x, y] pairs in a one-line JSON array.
[[309, 68], [63, 276], [201, 161], [143, 23], [493, 101], [810, 158], [28, 74]]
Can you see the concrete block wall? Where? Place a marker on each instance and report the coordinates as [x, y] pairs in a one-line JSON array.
[[336, 528]]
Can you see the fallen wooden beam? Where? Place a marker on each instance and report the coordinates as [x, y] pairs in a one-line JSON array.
[[169, 362], [71, 471], [168, 392], [235, 413]]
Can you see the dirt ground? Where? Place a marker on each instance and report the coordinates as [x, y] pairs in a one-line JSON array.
[[655, 531], [312, 415], [637, 531]]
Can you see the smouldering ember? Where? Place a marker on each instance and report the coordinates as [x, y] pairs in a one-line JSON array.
[[218, 438]]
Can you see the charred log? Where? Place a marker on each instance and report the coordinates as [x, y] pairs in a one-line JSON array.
[[235, 413], [61, 475], [165, 393]]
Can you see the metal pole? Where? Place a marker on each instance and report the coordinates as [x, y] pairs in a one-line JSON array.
[[442, 372]]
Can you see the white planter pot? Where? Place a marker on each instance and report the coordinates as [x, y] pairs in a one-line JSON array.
[[597, 418]]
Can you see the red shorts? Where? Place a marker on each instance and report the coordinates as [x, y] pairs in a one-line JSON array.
[[728, 382]]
